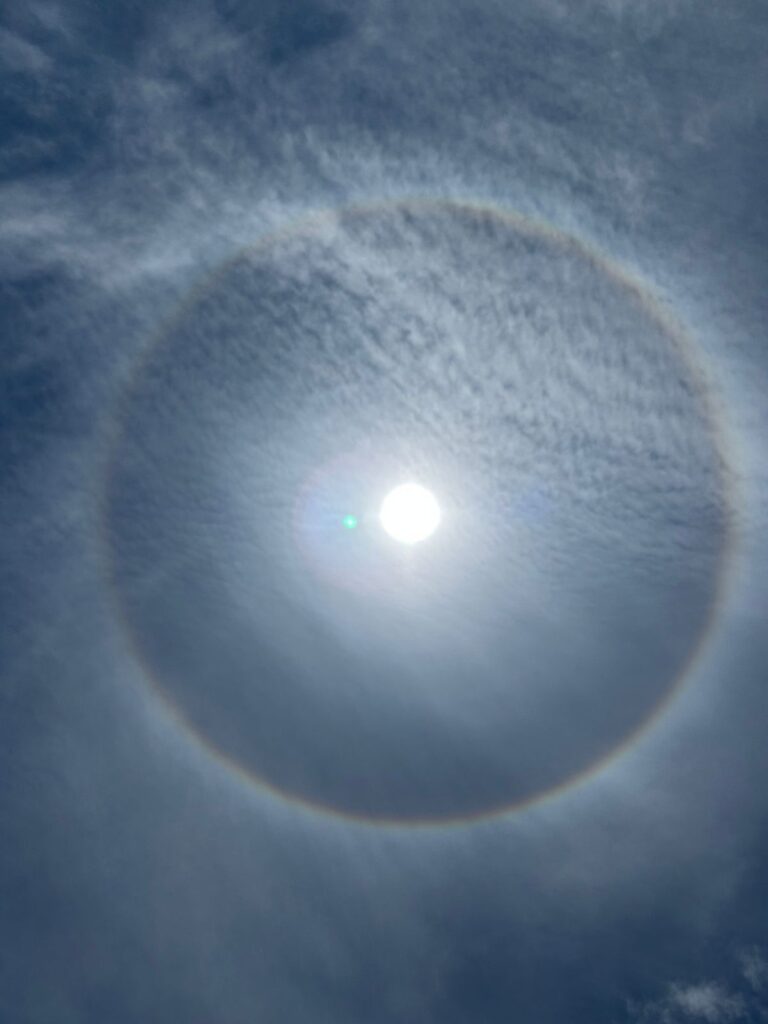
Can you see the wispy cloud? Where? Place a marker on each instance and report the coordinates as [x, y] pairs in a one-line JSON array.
[[741, 998], [754, 966]]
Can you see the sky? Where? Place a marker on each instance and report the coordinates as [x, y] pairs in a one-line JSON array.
[[260, 263]]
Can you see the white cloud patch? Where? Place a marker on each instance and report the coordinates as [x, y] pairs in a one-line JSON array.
[[708, 1002], [713, 1001]]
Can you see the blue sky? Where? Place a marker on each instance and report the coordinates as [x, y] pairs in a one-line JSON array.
[[261, 262]]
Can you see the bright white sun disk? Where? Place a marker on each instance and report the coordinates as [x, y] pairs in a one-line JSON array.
[[410, 513]]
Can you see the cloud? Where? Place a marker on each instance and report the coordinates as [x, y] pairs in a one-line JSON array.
[[714, 1001], [20, 55], [707, 1002], [754, 966]]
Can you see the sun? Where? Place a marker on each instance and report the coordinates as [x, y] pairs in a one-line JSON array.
[[410, 513]]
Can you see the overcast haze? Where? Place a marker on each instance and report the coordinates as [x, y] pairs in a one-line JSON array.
[[261, 262]]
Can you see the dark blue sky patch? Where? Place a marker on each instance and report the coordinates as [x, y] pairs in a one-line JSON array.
[[299, 29]]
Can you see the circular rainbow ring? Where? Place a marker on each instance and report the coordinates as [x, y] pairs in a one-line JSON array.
[[671, 328]]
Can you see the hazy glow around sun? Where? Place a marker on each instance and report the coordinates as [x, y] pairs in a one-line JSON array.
[[410, 513]]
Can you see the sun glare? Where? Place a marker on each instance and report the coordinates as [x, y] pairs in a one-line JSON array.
[[410, 513]]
